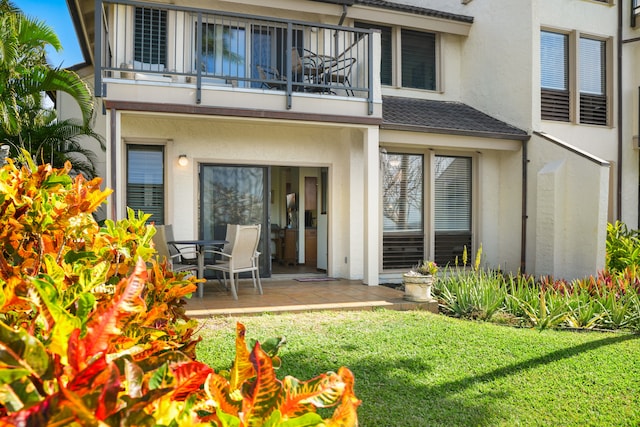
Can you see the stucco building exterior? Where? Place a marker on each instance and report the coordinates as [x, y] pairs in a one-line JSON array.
[[366, 135]]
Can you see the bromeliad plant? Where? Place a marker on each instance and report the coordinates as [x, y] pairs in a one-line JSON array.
[[425, 268], [93, 329]]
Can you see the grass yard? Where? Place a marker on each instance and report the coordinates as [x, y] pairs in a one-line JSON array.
[[415, 368]]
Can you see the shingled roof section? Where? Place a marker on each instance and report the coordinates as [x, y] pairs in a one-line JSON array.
[[424, 115], [415, 9]]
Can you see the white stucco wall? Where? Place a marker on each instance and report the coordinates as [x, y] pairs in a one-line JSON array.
[[497, 64], [567, 210], [629, 141]]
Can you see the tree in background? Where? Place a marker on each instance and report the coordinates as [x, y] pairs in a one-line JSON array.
[[26, 77]]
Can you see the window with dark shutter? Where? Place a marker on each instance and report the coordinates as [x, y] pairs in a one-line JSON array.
[[403, 212], [554, 76], [386, 63], [150, 39], [145, 180], [593, 97], [418, 60], [452, 208]]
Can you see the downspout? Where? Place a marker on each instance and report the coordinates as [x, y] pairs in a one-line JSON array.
[[523, 236], [113, 157], [344, 14], [619, 104], [340, 22]]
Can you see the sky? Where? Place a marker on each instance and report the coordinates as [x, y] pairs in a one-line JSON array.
[[55, 14]]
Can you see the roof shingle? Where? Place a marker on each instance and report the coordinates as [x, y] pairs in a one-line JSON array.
[[447, 117], [383, 4], [415, 9]]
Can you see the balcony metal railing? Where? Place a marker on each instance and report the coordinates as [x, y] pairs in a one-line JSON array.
[[206, 48]]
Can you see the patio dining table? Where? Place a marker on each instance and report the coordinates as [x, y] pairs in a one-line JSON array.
[[200, 244]]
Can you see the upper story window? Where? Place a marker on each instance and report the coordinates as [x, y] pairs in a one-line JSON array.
[[150, 39], [224, 49], [554, 76], [577, 94], [416, 61], [593, 96], [635, 11]]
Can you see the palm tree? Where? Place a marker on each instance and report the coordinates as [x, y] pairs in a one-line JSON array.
[[25, 78], [56, 142]]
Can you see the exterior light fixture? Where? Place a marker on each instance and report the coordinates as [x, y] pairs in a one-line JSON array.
[[183, 160]]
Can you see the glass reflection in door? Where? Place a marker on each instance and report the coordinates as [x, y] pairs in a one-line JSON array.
[[234, 195]]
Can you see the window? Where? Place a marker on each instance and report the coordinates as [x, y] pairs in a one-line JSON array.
[[554, 75], [145, 180], [402, 209], [417, 57], [223, 49], [386, 63], [558, 78], [150, 39], [452, 207], [418, 60], [593, 98]]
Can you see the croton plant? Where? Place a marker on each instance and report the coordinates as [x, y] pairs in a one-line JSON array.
[[93, 329]]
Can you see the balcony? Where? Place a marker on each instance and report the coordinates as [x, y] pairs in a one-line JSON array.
[[200, 54]]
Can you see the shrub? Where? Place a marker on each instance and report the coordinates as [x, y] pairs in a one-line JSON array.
[[609, 301], [93, 329], [623, 248]]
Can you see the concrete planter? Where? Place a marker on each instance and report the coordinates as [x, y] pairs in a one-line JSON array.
[[417, 288]]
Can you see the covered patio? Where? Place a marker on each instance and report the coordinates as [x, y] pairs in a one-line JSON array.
[[290, 295]]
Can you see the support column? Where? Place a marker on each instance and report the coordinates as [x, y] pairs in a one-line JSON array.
[[549, 232], [372, 206]]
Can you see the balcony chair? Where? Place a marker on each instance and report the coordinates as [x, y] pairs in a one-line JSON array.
[[270, 78], [175, 260], [339, 73], [307, 68], [243, 257]]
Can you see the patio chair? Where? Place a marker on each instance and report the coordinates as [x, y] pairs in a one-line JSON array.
[[162, 247], [306, 68], [243, 257], [339, 73], [184, 253], [270, 77]]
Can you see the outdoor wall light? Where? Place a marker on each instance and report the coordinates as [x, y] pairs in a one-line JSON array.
[[183, 160]]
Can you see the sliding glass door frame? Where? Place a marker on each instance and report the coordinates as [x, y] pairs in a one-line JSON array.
[[246, 203]]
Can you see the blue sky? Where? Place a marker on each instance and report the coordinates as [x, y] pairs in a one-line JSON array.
[[55, 14]]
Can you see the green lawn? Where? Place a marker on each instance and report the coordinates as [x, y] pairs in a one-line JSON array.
[[419, 369]]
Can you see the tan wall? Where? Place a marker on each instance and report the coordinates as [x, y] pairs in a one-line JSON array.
[[213, 140]]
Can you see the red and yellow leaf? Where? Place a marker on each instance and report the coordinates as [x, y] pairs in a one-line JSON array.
[[242, 369], [218, 391], [346, 415], [264, 394], [189, 378]]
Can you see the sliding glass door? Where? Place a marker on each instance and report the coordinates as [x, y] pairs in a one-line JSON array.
[[235, 195]]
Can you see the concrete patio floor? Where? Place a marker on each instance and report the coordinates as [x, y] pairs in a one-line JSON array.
[[289, 295]]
